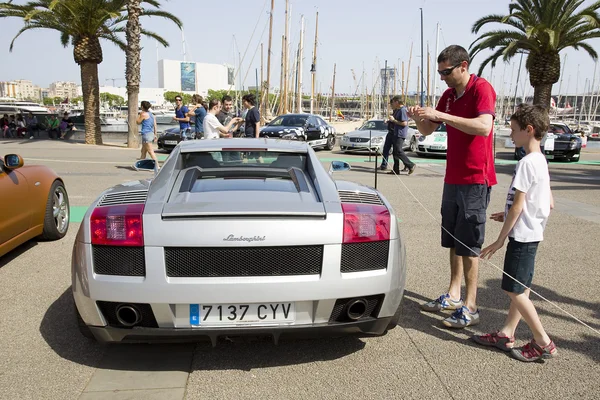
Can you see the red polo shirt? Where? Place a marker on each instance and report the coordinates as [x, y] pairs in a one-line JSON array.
[[470, 158]]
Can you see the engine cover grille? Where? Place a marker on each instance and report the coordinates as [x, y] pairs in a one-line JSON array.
[[243, 261], [123, 261], [365, 256]]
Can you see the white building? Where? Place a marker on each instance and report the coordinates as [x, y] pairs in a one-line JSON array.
[[64, 89], [156, 96], [193, 77]]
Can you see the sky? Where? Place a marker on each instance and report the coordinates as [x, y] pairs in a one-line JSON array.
[[355, 35]]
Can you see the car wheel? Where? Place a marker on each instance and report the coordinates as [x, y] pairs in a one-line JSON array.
[[83, 328], [413, 145], [330, 142], [56, 219]]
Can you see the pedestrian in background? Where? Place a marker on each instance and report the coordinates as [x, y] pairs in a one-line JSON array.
[[399, 122], [32, 125], [181, 112], [198, 112], [148, 131], [467, 108], [528, 206]]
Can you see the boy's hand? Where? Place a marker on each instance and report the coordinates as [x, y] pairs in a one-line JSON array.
[[499, 216], [491, 249]]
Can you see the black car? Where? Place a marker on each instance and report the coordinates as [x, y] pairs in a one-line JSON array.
[[169, 139], [306, 127], [566, 144]]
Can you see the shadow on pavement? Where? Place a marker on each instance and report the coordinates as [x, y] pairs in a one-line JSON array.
[[59, 329], [493, 303], [11, 255]]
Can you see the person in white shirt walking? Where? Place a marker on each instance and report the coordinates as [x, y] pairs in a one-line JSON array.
[[528, 206], [213, 129]]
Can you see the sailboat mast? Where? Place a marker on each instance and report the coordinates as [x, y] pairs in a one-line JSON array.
[[265, 102], [313, 68], [285, 64], [435, 75], [332, 95], [300, 56], [408, 72]]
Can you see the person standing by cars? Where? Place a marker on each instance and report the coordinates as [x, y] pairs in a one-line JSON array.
[[399, 122], [528, 206], [147, 131], [467, 108], [226, 114], [181, 112], [252, 126], [198, 112], [387, 145]]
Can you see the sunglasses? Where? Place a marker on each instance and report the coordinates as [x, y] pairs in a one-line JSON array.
[[448, 71], [177, 99]]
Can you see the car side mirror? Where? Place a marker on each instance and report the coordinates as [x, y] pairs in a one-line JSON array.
[[13, 161], [337, 166], [145, 165]]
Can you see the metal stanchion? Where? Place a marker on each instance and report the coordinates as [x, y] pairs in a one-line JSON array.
[[376, 154], [370, 145]]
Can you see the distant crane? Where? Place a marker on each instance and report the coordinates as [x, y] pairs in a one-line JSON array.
[[114, 79]]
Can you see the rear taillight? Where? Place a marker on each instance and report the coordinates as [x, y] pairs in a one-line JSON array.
[[118, 225], [365, 223]]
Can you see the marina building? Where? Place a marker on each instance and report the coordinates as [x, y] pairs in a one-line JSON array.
[[194, 77]]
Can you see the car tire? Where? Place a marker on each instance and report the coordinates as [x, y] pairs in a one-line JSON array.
[[330, 142], [57, 216], [83, 328], [413, 145]]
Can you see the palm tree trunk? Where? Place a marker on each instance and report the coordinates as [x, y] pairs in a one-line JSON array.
[[542, 94], [91, 102], [132, 68]]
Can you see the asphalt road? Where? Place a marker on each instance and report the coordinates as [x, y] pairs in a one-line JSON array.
[[43, 356]]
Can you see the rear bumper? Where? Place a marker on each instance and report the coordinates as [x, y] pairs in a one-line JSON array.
[[108, 334]]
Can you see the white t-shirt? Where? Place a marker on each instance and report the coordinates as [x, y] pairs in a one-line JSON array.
[[211, 125], [532, 178]]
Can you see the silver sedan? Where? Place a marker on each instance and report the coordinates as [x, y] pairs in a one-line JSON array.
[[370, 138]]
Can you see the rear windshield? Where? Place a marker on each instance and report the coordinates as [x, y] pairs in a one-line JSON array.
[[244, 160]]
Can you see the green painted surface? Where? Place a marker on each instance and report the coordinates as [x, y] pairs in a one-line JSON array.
[[77, 213]]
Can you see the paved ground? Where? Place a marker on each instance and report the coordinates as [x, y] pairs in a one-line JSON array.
[[43, 355]]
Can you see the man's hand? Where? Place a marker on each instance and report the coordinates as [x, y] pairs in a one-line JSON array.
[[429, 113], [391, 118], [498, 217], [491, 249], [412, 111]]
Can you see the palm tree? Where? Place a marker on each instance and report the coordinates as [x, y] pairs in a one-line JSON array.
[[133, 32], [81, 23], [541, 29]]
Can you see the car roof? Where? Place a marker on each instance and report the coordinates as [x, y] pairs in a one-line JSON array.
[[268, 144]]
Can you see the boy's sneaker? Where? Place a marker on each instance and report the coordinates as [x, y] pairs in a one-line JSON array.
[[495, 339], [462, 318], [534, 352], [442, 303]]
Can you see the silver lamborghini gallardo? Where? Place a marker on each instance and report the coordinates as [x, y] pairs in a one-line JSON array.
[[238, 237]]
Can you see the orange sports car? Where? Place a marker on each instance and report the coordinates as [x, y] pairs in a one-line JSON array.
[[34, 203]]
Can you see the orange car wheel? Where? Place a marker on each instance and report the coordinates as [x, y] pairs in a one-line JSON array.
[[56, 219]]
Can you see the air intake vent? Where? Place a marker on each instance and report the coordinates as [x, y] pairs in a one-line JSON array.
[[348, 196], [132, 197]]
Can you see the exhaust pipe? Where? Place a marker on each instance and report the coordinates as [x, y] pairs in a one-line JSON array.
[[128, 315], [356, 309]]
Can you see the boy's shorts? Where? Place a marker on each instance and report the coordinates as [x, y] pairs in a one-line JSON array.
[[519, 262], [463, 216]]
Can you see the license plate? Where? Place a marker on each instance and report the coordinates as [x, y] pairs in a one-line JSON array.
[[550, 156], [174, 142], [437, 147], [240, 314], [439, 139]]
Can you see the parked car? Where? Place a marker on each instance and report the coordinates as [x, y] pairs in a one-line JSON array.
[[168, 139], [302, 127], [268, 245], [559, 143], [370, 137], [435, 144], [35, 203]]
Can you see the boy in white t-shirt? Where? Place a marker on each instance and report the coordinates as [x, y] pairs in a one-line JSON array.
[[528, 206]]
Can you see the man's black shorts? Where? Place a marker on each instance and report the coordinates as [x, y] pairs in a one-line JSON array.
[[463, 216], [518, 263]]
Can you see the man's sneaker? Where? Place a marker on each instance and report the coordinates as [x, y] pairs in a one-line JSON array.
[[405, 169], [383, 168], [495, 339], [462, 318], [534, 352], [412, 169], [442, 303]]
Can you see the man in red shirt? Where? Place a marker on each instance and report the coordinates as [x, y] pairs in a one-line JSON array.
[[467, 108]]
